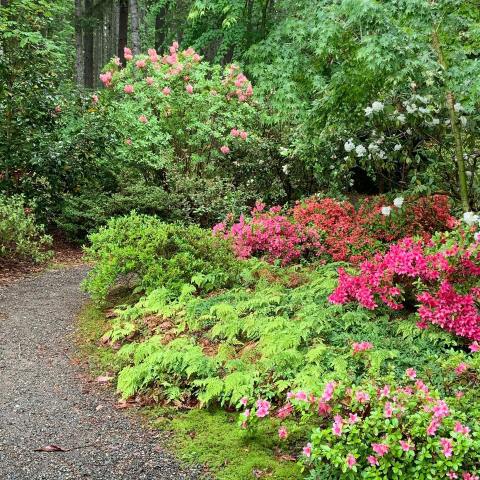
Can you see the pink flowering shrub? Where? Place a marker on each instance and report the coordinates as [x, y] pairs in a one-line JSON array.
[[333, 230], [380, 431], [441, 275]]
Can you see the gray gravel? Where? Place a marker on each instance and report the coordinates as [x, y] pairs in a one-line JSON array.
[[43, 399]]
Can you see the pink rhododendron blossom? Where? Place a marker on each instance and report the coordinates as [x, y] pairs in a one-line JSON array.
[[243, 135], [225, 149], [166, 91], [372, 460], [351, 460], [142, 119], [244, 401], [361, 347], [117, 61], [127, 53], [234, 132], [149, 80], [380, 449], [411, 373], [447, 447], [189, 88], [300, 395], [461, 368], [307, 450], [128, 89], [189, 52], [196, 57], [152, 53], [95, 98], [106, 78], [141, 63], [282, 433]]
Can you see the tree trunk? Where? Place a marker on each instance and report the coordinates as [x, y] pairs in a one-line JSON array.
[[456, 129], [135, 27], [122, 30], [88, 45], [160, 30], [78, 42]]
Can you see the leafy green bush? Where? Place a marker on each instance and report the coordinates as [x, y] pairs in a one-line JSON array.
[[155, 254], [20, 236]]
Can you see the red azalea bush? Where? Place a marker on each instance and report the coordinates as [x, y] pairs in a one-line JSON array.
[[335, 230], [442, 274]]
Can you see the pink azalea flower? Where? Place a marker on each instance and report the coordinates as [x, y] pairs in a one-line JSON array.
[[406, 446], [461, 368], [459, 394], [290, 395], [385, 391], [411, 373], [128, 141], [351, 460], [452, 475], [361, 347], [246, 413], [142, 119], [447, 447], [285, 411], [474, 347], [249, 90], [282, 433], [380, 449], [128, 89], [421, 386], [337, 426], [307, 450], [166, 91], [243, 135], [301, 395], [174, 47], [95, 98], [372, 460], [440, 409], [388, 410], [328, 392], [225, 149], [324, 408], [362, 397], [152, 53], [117, 61], [189, 52], [470, 476], [196, 57], [244, 401], [353, 418], [263, 407], [189, 88], [234, 132], [149, 80], [459, 428], [141, 63], [433, 427]]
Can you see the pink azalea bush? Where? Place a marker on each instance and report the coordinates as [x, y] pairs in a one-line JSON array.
[[441, 275], [331, 229], [381, 431]]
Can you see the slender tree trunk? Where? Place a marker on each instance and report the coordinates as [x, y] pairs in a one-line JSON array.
[[79, 42], [88, 45], [160, 30], [122, 30], [456, 129], [135, 27]]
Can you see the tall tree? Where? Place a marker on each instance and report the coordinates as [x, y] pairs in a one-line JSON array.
[[135, 26], [79, 42], [88, 44], [122, 29], [160, 29]]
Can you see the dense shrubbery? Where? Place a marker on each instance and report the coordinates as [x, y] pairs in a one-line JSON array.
[[20, 236], [154, 254], [335, 230]]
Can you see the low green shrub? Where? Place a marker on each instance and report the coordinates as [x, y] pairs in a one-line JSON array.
[[20, 236], [155, 254]]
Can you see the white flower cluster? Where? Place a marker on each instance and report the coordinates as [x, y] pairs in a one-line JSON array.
[[374, 108], [471, 218], [349, 146], [398, 202]]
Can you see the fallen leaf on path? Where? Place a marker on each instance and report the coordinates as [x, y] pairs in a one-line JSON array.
[[50, 448], [103, 379]]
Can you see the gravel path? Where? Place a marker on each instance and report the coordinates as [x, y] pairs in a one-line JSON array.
[[43, 400]]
